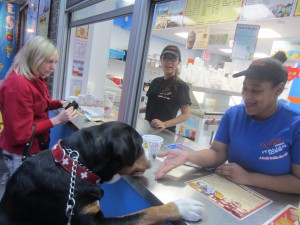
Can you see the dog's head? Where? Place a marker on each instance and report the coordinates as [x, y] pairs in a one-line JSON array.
[[109, 149]]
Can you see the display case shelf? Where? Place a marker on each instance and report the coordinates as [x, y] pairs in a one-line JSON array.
[[215, 91]]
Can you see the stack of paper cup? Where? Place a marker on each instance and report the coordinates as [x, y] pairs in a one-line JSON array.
[[109, 98], [152, 145]]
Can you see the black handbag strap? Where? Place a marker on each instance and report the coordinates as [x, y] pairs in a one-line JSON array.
[[28, 144]]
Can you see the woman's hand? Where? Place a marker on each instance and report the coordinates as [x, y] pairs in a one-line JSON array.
[[156, 123], [64, 116], [234, 173], [63, 103], [173, 160]]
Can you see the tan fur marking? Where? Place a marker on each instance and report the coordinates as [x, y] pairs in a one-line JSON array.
[[141, 164], [92, 208], [159, 214]]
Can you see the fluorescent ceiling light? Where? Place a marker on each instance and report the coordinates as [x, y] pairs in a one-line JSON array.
[[128, 1], [263, 33], [226, 50], [260, 55], [256, 54], [268, 33], [182, 34]]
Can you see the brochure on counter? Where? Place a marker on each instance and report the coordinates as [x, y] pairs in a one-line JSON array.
[[178, 146], [93, 113], [287, 216], [97, 114], [238, 200]]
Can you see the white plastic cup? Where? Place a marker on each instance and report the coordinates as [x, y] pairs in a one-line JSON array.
[[152, 144], [81, 99], [107, 111], [89, 99], [109, 98]]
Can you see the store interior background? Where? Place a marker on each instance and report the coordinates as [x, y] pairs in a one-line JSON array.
[[210, 99], [101, 71], [104, 72]]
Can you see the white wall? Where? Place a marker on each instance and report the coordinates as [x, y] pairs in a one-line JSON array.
[[98, 52]]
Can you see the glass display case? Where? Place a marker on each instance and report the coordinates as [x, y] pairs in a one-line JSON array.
[[208, 106]]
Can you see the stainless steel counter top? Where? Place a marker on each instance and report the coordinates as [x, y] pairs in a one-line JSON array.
[[173, 186]]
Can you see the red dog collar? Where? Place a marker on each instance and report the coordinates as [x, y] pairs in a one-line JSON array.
[[66, 162]]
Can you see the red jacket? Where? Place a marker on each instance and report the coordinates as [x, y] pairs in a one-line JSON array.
[[23, 103]]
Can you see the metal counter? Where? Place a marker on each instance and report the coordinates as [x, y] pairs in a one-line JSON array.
[[173, 186]]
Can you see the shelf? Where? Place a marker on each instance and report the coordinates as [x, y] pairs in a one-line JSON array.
[[147, 66], [215, 91]]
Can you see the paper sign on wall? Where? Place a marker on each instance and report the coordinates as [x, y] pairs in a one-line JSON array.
[[198, 37], [291, 48], [265, 9], [245, 41], [214, 11]]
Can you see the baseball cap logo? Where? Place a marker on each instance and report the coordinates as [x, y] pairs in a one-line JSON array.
[[174, 48], [258, 63]]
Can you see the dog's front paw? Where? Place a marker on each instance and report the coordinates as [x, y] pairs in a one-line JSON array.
[[190, 209]]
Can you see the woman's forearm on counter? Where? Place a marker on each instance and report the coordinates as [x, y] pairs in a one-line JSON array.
[[206, 158], [284, 183]]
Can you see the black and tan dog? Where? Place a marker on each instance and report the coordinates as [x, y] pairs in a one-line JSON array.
[[38, 192]]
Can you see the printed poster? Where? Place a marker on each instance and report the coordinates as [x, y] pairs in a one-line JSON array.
[[8, 26], [238, 200], [82, 32], [198, 37], [206, 55], [218, 39], [80, 47], [214, 11], [288, 215], [169, 14], [31, 24], [76, 87], [43, 18], [265, 9], [291, 48], [245, 41], [77, 68], [297, 9]]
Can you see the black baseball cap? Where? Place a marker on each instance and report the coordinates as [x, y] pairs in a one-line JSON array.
[[266, 69], [171, 49]]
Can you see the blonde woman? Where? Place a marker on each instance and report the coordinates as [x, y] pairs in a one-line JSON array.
[[25, 102]]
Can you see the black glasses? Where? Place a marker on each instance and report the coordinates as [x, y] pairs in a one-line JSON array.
[[171, 58]]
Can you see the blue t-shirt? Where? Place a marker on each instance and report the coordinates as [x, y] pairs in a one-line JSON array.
[[270, 146]]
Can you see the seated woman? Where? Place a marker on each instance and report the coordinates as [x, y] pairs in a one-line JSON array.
[[260, 138]]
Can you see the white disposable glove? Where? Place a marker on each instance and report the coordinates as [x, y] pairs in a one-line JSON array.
[[190, 209]]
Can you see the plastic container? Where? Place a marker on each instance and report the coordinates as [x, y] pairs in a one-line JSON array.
[[109, 98], [117, 54], [152, 144]]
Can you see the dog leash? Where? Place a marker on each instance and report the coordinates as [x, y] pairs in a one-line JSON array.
[[71, 199]]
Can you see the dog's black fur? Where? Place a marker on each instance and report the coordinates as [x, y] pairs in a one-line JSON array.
[[37, 193]]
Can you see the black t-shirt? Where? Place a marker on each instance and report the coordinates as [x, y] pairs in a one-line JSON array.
[[165, 98]]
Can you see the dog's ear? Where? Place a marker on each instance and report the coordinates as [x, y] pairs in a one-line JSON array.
[[128, 145]]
